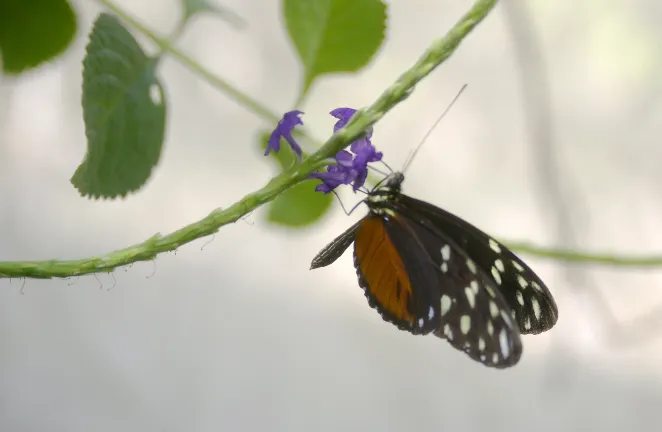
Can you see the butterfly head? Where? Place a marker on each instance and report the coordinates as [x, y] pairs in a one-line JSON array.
[[387, 192]]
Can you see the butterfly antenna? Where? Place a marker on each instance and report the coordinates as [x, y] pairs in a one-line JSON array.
[[377, 170], [418, 147]]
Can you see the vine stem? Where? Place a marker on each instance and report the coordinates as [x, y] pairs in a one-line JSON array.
[[435, 55]]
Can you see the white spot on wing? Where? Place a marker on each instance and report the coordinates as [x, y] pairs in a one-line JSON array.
[[495, 246], [496, 275], [536, 286], [481, 344], [446, 252], [490, 328], [472, 266], [499, 265], [448, 332], [536, 308], [520, 298], [527, 323], [518, 266], [444, 267], [465, 324], [421, 322], [522, 282], [471, 297], [431, 313], [474, 286], [503, 342], [494, 309], [445, 304]]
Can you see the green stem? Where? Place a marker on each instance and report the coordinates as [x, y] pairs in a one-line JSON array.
[[438, 52], [568, 255]]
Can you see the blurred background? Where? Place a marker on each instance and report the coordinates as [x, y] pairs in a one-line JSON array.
[[555, 141]]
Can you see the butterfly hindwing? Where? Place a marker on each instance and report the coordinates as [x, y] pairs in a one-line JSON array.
[[529, 298], [475, 318]]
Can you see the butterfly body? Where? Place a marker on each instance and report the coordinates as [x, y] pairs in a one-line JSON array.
[[427, 271]]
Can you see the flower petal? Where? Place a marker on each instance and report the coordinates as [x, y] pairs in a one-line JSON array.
[[296, 148], [359, 180], [344, 158], [274, 142], [343, 115], [334, 176], [284, 130]]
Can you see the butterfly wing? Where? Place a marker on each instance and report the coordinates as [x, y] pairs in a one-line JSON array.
[[475, 317], [395, 276], [529, 298], [438, 289], [335, 249]]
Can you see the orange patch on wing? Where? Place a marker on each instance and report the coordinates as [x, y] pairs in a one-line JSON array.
[[382, 268]]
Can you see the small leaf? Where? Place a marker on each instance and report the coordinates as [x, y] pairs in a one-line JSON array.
[[334, 35], [124, 112], [194, 7], [31, 34], [300, 205]]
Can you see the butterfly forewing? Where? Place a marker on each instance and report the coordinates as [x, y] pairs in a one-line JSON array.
[[397, 284], [533, 305], [475, 318]]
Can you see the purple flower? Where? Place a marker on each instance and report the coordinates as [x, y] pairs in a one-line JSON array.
[[334, 176], [350, 168], [344, 115], [284, 130]]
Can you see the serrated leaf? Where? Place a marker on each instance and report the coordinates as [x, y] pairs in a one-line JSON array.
[[334, 35], [300, 205], [31, 34], [124, 111], [194, 7]]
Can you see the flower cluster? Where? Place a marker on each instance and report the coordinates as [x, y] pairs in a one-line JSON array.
[[350, 167]]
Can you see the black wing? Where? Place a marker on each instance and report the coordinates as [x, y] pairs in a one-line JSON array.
[[335, 249], [473, 315], [529, 298]]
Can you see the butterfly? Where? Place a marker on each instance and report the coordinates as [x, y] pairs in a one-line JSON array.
[[426, 270]]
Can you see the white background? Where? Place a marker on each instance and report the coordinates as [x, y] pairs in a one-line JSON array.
[[241, 335]]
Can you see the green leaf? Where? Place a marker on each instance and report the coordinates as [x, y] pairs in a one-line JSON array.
[[124, 111], [34, 32], [194, 7], [334, 35], [300, 205]]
